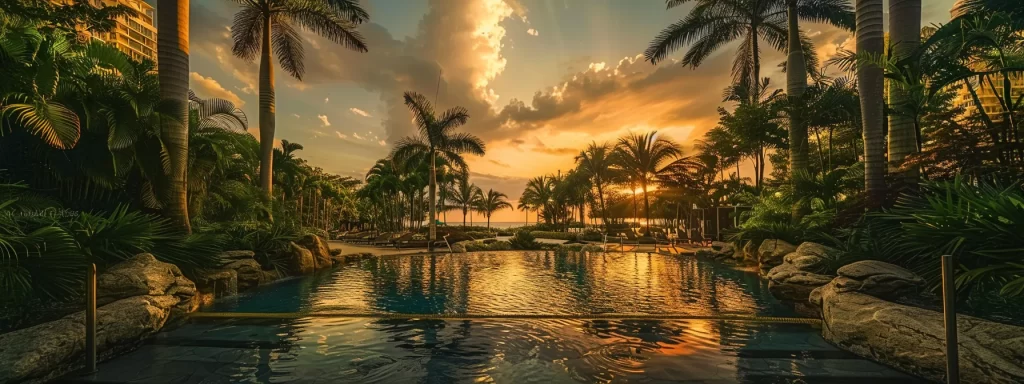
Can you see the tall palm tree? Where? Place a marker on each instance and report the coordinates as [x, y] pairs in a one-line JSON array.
[[905, 38], [264, 26], [641, 156], [524, 205], [713, 24], [464, 195], [491, 202], [871, 42], [796, 86], [437, 140], [596, 162], [172, 67]]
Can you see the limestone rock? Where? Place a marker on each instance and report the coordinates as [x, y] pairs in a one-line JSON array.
[[789, 282], [218, 282], [228, 257], [248, 274], [750, 251], [722, 250], [318, 248], [913, 339], [879, 279], [771, 252], [300, 260], [143, 274], [52, 349]]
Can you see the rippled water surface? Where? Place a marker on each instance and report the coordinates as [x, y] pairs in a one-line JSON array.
[[338, 349]]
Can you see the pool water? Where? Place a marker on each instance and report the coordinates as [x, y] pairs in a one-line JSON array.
[[560, 349]]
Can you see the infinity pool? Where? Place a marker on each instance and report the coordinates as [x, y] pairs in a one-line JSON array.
[[559, 349]]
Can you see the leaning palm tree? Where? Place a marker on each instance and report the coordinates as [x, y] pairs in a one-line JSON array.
[[437, 140], [263, 26], [871, 43], [640, 157], [172, 59], [713, 24], [596, 163], [491, 202]]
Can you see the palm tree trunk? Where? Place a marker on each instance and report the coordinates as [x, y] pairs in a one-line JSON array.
[[433, 203], [172, 61], [796, 86], [647, 207], [267, 113], [755, 74], [871, 41], [905, 37], [604, 211]]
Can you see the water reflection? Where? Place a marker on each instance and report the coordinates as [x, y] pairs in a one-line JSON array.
[[338, 349]]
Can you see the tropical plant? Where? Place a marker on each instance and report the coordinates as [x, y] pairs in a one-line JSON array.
[[491, 202], [172, 56], [596, 163], [641, 157], [523, 240], [713, 24], [437, 141], [263, 26]]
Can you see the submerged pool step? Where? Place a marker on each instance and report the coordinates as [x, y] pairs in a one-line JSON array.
[[492, 316]]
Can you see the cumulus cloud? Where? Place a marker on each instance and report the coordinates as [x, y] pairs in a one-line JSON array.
[[323, 120], [327, 100], [359, 112], [341, 135], [296, 115], [382, 142], [532, 32], [356, 135], [207, 87]]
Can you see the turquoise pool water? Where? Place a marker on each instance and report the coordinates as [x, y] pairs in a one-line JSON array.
[[338, 349]]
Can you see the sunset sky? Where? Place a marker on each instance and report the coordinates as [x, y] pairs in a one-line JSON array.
[[540, 78]]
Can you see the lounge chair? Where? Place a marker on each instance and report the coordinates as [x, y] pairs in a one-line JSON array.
[[385, 239], [407, 241], [661, 238], [629, 238]]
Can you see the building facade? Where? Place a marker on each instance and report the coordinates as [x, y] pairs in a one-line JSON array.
[[135, 35], [987, 94]]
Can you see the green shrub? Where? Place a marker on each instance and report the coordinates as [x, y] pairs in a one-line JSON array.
[[524, 240], [980, 225], [555, 235], [481, 234], [476, 246], [269, 241], [592, 235]]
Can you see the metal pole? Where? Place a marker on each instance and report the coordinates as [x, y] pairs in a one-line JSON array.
[[949, 311], [90, 319]]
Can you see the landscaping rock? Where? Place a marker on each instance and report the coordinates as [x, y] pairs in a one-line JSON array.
[[750, 251], [143, 274], [229, 257], [249, 274], [722, 250], [790, 283], [300, 260], [771, 253], [319, 249], [52, 349], [913, 339], [217, 283], [878, 279]]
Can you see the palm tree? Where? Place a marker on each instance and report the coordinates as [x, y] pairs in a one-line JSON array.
[[263, 26], [538, 194], [641, 157], [871, 43], [524, 205], [905, 38], [437, 141], [492, 202], [465, 195], [713, 24], [172, 61], [796, 86], [596, 162]]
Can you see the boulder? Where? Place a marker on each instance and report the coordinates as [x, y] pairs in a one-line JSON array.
[[913, 339], [702, 252], [318, 249], [217, 283], [771, 252], [300, 260], [228, 257], [141, 295], [750, 251], [790, 283], [722, 250], [143, 274], [248, 274], [878, 279]]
